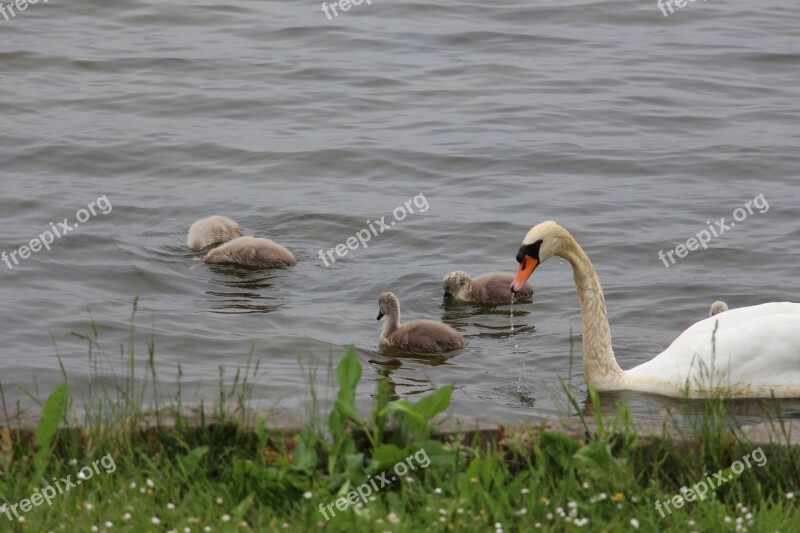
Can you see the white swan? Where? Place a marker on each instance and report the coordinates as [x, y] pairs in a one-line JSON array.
[[749, 352]]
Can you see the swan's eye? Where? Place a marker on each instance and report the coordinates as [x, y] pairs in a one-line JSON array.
[[531, 250]]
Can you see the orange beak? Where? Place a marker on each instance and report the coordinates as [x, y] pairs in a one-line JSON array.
[[526, 268]]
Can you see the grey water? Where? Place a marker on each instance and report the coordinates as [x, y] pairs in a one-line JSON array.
[[629, 128]]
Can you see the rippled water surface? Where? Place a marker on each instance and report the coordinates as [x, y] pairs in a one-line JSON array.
[[629, 128]]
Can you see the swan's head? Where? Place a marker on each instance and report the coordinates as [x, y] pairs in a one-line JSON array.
[[542, 242], [388, 305], [718, 307], [457, 285]]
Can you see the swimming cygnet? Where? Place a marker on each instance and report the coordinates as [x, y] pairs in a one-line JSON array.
[[492, 288], [252, 251], [212, 230], [421, 336], [718, 307]]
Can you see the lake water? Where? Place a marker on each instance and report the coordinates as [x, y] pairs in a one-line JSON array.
[[629, 128]]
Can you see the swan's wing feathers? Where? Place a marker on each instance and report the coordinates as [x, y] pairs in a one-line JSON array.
[[749, 349]]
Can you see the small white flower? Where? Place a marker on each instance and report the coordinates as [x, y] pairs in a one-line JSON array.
[[437, 490], [635, 499], [522, 512], [393, 518], [150, 483], [790, 495], [207, 529], [187, 530], [108, 524], [538, 525], [634, 523], [226, 518], [308, 495], [749, 516], [126, 517], [170, 506], [498, 525], [586, 485], [155, 520], [372, 498], [525, 490], [95, 529], [133, 484], [549, 516], [580, 522], [73, 462], [460, 510], [88, 506], [410, 479], [218, 501], [442, 511], [727, 519], [691, 523], [21, 519], [572, 505]]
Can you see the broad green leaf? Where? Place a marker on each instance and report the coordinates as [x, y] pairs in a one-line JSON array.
[[52, 414]]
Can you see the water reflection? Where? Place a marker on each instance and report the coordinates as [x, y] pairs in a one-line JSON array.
[[683, 411], [249, 290]]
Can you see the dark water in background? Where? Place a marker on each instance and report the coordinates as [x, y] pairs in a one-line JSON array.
[[628, 128]]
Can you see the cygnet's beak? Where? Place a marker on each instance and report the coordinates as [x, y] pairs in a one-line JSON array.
[[380, 315], [448, 296], [526, 268]]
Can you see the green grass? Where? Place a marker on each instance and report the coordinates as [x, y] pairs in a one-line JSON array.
[[233, 475]]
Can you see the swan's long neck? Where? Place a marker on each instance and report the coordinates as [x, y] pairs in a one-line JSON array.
[[600, 367]]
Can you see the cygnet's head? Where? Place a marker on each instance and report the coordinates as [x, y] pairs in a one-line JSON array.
[[457, 286], [388, 305], [718, 307]]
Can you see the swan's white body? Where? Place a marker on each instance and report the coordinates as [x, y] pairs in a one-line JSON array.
[[754, 352], [748, 352]]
